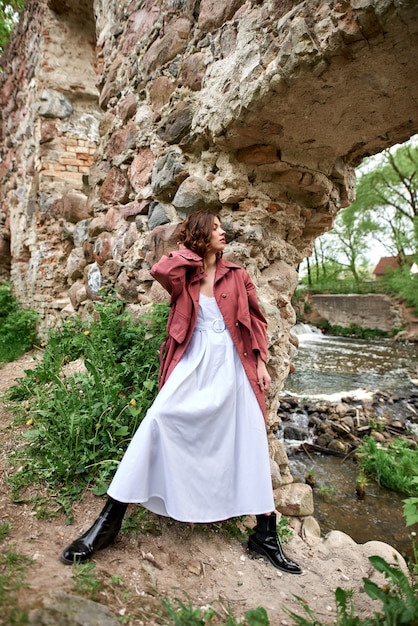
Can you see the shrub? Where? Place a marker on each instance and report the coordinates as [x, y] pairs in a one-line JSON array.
[[353, 331], [394, 467], [399, 601], [17, 326], [402, 284], [79, 425]]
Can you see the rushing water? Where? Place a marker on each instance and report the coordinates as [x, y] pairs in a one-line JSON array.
[[334, 367], [328, 365]]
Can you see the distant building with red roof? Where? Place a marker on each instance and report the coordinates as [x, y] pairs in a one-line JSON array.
[[385, 264], [388, 263]]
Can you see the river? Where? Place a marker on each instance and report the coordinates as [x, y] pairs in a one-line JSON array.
[[334, 367]]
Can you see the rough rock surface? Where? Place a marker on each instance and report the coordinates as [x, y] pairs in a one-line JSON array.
[[338, 427]]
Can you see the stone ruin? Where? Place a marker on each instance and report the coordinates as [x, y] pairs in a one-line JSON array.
[[119, 119]]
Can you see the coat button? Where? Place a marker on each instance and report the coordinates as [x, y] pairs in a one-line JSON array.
[[224, 295], [245, 354], [236, 324]]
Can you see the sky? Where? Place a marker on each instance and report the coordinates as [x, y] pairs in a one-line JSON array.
[[376, 251]]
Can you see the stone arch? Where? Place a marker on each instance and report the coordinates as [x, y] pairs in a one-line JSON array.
[[260, 110], [290, 97]]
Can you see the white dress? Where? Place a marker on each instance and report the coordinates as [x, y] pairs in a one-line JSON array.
[[201, 453]]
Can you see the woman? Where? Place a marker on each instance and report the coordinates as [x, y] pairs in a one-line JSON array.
[[201, 452]]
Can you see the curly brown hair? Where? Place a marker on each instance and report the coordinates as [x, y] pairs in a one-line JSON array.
[[196, 231]]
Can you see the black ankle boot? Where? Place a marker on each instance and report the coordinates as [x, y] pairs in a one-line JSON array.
[[98, 536], [266, 542]]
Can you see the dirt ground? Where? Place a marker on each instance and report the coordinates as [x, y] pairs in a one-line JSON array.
[[181, 561]]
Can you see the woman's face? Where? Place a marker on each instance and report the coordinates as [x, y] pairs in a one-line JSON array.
[[217, 240]]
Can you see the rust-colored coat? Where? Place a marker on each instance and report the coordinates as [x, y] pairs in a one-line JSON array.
[[180, 274]]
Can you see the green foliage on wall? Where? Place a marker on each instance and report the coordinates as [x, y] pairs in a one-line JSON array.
[[8, 16]]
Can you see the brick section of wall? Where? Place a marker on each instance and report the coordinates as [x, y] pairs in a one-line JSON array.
[[70, 159]]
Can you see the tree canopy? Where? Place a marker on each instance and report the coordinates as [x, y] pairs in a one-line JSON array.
[[384, 215], [8, 15], [385, 211], [388, 193]]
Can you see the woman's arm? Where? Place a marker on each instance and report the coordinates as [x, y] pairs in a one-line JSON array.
[[170, 270]]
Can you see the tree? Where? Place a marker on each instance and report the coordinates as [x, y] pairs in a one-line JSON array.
[[351, 236], [9, 12], [388, 192], [343, 250], [385, 211], [322, 270]]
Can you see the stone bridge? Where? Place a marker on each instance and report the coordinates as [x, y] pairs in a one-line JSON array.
[[119, 119]]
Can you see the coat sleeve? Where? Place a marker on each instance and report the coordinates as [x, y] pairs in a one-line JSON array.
[[171, 270], [258, 321]]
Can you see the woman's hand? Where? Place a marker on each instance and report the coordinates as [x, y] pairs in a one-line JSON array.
[[263, 377]]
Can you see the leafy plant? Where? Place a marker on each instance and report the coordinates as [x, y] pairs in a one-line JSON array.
[[399, 598], [230, 528], [17, 326], [361, 484], [410, 511], [310, 478], [345, 611], [80, 423], [410, 508], [185, 614], [326, 491], [141, 520], [394, 467], [353, 331], [257, 617], [307, 307], [399, 601], [284, 531], [86, 581]]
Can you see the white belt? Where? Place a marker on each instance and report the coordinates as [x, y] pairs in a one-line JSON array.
[[217, 325]]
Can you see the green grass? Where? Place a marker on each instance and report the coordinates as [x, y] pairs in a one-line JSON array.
[[400, 283], [86, 581], [394, 466], [13, 568], [179, 613]]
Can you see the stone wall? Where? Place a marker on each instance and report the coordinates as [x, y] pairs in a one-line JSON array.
[[49, 134], [365, 311], [119, 119]]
